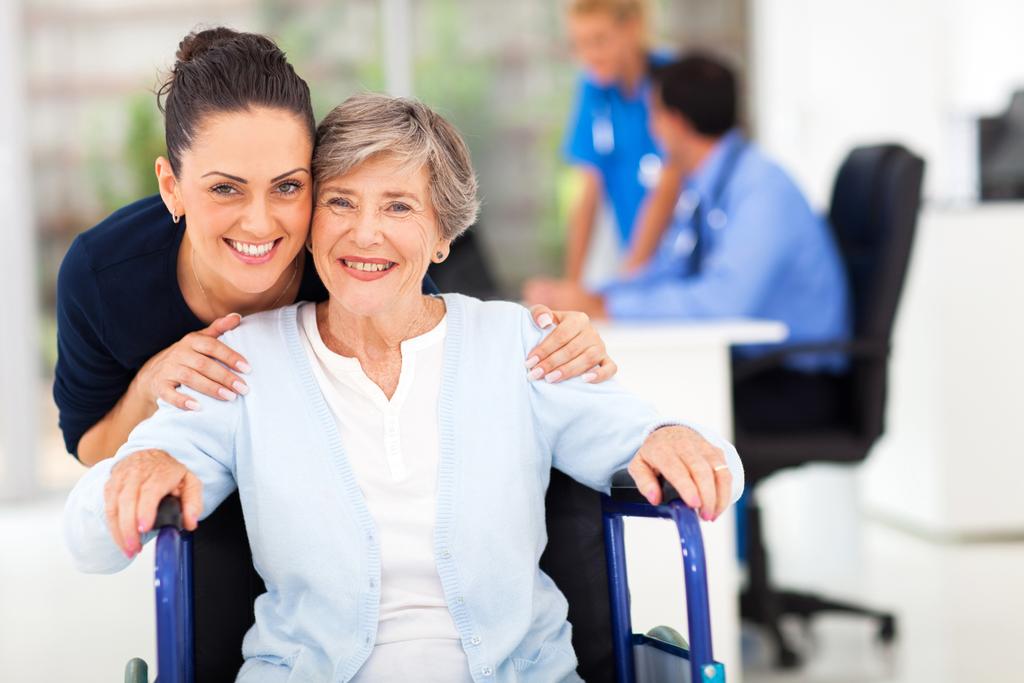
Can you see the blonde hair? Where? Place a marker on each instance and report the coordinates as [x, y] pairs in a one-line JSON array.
[[621, 10], [370, 125]]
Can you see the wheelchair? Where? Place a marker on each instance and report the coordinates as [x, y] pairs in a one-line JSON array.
[[660, 656]]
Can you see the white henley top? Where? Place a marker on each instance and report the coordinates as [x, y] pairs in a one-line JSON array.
[[393, 448]]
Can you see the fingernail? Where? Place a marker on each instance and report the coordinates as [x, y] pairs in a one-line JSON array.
[[243, 366], [142, 528], [650, 494], [237, 315], [241, 387], [192, 404], [531, 361], [554, 376], [589, 377], [706, 516], [692, 502], [536, 373], [226, 395], [545, 321]]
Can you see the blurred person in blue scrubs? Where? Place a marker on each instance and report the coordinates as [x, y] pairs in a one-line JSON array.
[[742, 242], [608, 140]]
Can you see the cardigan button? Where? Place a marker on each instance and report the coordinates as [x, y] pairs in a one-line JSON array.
[[486, 671], [445, 554], [475, 640]]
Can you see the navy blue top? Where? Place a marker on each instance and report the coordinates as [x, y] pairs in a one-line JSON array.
[[118, 304]]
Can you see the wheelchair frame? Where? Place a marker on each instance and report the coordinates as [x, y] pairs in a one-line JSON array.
[[173, 583]]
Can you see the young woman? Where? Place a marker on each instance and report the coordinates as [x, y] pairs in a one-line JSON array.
[[143, 296]]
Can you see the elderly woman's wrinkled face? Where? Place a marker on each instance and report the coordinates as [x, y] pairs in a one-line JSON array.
[[374, 231]]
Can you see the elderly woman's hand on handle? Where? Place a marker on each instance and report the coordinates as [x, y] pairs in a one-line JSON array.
[[136, 486], [696, 469]]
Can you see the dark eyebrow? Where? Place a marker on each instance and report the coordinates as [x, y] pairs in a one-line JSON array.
[[288, 173], [228, 175]]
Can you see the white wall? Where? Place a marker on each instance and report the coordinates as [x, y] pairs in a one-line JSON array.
[[831, 74], [18, 347]]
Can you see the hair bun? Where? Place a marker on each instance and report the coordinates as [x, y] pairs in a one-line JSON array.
[[196, 43]]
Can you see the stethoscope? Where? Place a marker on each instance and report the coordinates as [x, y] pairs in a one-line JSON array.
[[602, 131], [691, 242], [603, 135]]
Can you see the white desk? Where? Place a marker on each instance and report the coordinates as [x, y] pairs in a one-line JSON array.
[[685, 371]]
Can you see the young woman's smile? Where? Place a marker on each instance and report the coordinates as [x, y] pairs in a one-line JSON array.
[[253, 253]]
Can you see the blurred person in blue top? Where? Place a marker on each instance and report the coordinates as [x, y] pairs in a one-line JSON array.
[[742, 242], [608, 140]]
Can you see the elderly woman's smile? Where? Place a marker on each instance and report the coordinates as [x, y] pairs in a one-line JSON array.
[[367, 269]]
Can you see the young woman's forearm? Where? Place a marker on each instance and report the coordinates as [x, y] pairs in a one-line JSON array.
[[654, 217], [106, 436], [581, 225]]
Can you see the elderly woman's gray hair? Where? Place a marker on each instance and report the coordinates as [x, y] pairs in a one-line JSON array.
[[368, 125]]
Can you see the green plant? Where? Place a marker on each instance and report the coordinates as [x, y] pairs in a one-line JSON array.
[[117, 184]]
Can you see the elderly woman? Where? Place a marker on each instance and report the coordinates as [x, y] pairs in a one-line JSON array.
[[391, 456]]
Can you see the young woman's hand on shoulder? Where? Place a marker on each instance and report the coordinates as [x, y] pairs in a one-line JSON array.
[[199, 361], [574, 348]]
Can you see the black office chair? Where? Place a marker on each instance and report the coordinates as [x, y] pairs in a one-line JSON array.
[[874, 210]]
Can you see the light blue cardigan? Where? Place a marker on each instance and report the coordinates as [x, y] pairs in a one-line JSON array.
[[312, 536]]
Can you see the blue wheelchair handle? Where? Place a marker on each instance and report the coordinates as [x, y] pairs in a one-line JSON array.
[[168, 513], [173, 583], [626, 501]]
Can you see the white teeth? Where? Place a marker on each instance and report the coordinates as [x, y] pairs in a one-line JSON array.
[[368, 267], [251, 249]]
